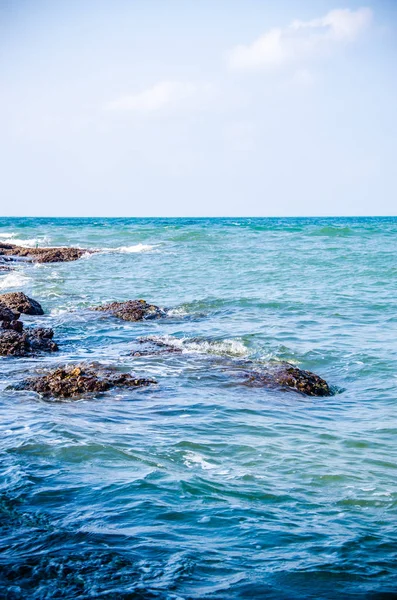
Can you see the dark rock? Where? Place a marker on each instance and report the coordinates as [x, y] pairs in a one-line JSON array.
[[76, 380], [132, 310], [43, 255], [15, 341], [19, 302], [14, 325], [287, 376], [7, 314], [40, 338], [153, 346]]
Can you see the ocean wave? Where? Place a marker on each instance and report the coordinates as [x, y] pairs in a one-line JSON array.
[[129, 249], [333, 231], [136, 248], [13, 280], [180, 311], [228, 347], [10, 238], [193, 458]]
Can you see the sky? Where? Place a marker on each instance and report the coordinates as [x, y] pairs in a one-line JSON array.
[[198, 108]]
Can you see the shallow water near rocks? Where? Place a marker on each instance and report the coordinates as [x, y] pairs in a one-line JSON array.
[[199, 487]]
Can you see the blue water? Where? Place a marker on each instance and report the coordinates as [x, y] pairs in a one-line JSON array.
[[200, 487]]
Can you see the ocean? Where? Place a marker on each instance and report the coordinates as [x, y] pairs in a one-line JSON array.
[[200, 487]]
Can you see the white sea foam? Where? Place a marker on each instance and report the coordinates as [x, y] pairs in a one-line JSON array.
[[188, 345], [136, 248], [56, 312], [193, 458], [28, 243], [13, 280], [128, 249], [177, 312]]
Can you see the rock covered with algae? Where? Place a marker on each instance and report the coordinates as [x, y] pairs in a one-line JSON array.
[[77, 380], [42, 255], [132, 310]]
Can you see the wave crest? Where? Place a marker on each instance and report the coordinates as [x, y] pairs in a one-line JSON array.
[[227, 347]]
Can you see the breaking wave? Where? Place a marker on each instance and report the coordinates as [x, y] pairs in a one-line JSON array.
[[200, 346], [10, 238], [13, 280]]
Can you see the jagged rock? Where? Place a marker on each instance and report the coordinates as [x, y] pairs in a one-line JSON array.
[[19, 302], [40, 339], [13, 325], [7, 314], [76, 380], [132, 310], [287, 376], [15, 341], [43, 255]]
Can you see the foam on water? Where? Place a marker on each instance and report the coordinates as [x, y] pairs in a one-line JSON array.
[[34, 242], [136, 248], [13, 280], [201, 346]]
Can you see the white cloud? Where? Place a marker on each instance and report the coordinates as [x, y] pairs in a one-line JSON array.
[[301, 41], [161, 95], [303, 78]]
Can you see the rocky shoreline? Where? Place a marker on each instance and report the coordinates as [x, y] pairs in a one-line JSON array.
[[11, 252], [75, 381]]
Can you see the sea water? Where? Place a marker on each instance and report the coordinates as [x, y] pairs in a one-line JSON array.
[[200, 487]]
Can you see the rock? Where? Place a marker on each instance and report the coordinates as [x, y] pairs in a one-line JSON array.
[[7, 314], [153, 346], [43, 255], [132, 310], [19, 302], [76, 380], [14, 325], [40, 338], [287, 376], [15, 341]]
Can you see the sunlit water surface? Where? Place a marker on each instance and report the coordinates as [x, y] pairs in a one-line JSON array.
[[200, 487]]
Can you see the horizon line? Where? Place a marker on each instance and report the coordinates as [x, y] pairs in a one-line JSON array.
[[202, 217]]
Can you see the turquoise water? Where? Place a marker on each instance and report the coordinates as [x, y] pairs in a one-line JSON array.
[[200, 487]]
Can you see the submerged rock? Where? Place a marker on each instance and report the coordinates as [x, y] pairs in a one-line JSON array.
[[17, 341], [19, 302], [152, 346], [76, 380], [287, 376], [43, 255], [132, 310]]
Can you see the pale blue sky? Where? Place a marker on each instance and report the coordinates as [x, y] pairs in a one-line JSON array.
[[198, 108]]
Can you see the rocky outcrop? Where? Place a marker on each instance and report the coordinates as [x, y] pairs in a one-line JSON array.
[[19, 302], [132, 310], [17, 341], [76, 380], [42, 255], [6, 314], [288, 377]]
